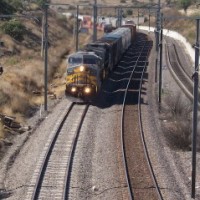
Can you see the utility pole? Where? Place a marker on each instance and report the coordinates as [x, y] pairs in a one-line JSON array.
[[121, 13], [42, 43], [195, 110], [149, 19], [118, 17], [46, 57], [95, 21], [157, 39], [161, 50], [157, 26], [77, 26]]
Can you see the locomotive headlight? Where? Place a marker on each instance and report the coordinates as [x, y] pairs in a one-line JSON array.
[[73, 89], [87, 90], [82, 68]]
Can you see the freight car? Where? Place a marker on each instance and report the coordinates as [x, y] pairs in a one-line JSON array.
[[87, 69]]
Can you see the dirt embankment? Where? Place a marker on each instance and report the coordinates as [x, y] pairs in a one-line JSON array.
[[22, 81]]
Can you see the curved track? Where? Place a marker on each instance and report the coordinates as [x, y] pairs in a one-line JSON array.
[[52, 175], [140, 177], [179, 69]]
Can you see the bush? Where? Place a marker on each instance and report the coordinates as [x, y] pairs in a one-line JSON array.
[[6, 8], [129, 12], [17, 4], [178, 107], [41, 3], [185, 4], [178, 121], [14, 28]]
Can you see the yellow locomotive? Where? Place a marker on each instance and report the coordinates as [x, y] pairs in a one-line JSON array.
[[84, 74], [86, 69]]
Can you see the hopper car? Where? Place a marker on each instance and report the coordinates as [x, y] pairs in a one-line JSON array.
[[86, 69]]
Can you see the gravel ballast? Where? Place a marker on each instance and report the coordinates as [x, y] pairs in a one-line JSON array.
[[99, 142]]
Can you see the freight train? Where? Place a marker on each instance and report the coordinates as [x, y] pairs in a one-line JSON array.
[[86, 69]]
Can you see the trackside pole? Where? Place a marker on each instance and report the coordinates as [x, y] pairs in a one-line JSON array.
[[157, 31], [160, 68], [77, 26], [149, 20], [120, 14], [195, 111], [95, 21], [46, 57], [118, 17]]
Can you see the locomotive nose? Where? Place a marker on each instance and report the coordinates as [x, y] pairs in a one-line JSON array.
[[87, 90], [73, 89], [80, 94]]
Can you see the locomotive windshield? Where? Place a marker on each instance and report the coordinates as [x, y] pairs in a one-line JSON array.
[[89, 60], [74, 60], [85, 59]]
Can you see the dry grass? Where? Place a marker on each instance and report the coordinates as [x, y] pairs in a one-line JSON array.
[[186, 27], [177, 115], [1, 131], [24, 70]]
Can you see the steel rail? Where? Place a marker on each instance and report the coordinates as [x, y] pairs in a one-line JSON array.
[[44, 165], [131, 194], [36, 192], [179, 62], [182, 78], [143, 138], [182, 84], [183, 69], [70, 161]]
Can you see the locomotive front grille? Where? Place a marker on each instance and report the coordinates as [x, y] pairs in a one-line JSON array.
[[82, 79]]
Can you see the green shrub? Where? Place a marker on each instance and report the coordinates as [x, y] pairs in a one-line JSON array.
[[41, 3], [129, 12], [17, 4], [14, 28], [185, 4], [6, 8]]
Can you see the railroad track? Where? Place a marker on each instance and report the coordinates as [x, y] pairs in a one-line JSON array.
[[180, 73], [52, 175], [140, 177]]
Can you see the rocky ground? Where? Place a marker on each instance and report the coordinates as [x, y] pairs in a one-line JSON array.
[[172, 166]]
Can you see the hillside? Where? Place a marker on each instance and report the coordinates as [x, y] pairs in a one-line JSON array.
[[22, 82]]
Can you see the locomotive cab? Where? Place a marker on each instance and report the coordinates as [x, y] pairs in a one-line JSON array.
[[102, 50], [84, 71]]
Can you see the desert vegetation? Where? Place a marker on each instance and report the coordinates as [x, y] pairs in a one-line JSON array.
[[21, 54], [175, 21], [22, 58], [176, 118]]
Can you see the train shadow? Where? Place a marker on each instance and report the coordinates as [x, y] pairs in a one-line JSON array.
[[113, 88], [112, 93]]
